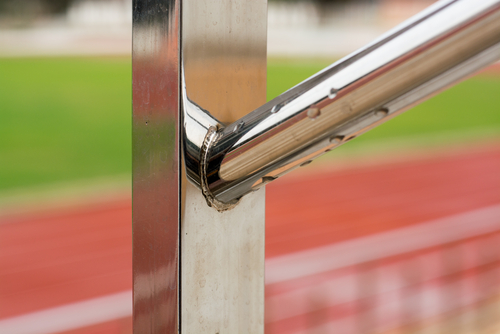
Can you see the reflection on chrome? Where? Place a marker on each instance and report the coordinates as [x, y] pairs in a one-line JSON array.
[[429, 52]]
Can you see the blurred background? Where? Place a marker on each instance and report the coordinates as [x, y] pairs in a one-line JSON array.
[[402, 225]]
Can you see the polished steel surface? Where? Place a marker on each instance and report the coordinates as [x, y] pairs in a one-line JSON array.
[[156, 165], [222, 266], [222, 253], [427, 53], [223, 48], [196, 270], [199, 66]]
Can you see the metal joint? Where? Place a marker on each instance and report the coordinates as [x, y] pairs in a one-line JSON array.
[[429, 52], [208, 143]]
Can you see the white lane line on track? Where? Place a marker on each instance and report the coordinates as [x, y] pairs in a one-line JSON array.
[[278, 269], [71, 316], [383, 245]]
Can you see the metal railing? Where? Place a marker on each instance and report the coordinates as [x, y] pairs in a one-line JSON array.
[[198, 72], [429, 52]]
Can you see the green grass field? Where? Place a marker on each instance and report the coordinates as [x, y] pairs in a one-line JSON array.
[[66, 119]]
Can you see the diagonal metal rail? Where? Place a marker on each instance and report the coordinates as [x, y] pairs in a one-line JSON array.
[[424, 55]]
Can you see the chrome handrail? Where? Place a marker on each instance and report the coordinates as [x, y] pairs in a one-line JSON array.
[[429, 52]]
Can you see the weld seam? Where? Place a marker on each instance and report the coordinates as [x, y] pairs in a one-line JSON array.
[[210, 140]]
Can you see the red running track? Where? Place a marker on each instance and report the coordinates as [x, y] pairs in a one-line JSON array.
[[65, 256]]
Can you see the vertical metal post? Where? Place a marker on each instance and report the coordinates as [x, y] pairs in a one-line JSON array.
[[195, 270], [156, 165]]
